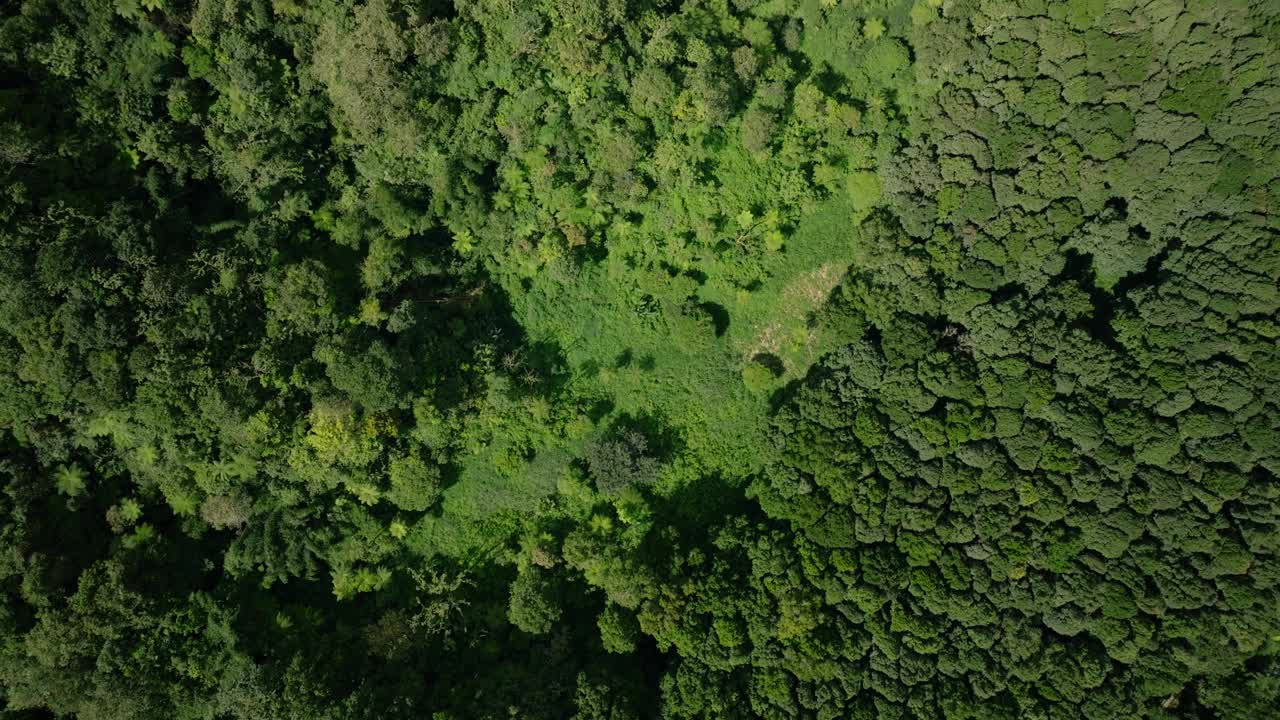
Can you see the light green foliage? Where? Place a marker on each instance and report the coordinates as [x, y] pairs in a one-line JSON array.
[[864, 190], [618, 630], [758, 378], [71, 480], [873, 28], [415, 485], [602, 359]]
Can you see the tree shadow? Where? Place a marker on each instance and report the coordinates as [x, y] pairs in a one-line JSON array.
[[770, 361], [719, 317]]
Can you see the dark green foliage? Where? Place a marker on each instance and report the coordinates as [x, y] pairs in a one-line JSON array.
[[534, 605], [622, 462], [610, 359]]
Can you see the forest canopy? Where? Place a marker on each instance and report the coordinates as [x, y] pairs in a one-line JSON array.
[[616, 359]]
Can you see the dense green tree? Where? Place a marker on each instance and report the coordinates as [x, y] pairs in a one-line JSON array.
[[713, 358]]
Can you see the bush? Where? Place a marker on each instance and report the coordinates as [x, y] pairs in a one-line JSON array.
[[621, 462]]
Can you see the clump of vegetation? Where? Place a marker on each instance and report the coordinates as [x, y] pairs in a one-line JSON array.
[[324, 328], [621, 462]]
